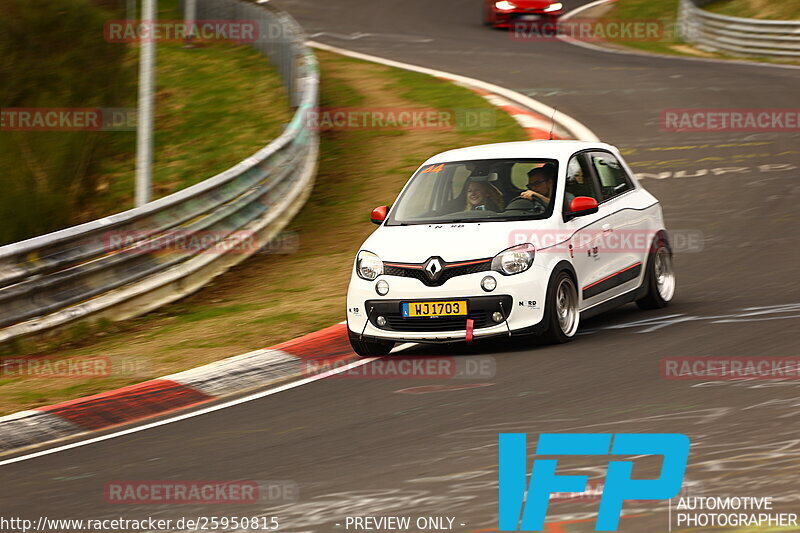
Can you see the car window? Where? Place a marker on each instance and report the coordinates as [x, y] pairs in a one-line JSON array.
[[460, 175], [471, 191], [519, 174], [424, 199], [578, 182], [613, 179]]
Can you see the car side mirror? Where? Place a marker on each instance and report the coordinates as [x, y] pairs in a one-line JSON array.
[[378, 215], [581, 206]]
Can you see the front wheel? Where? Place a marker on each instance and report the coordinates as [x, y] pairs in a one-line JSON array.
[[486, 20], [369, 348], [562, 311], [659, 277]]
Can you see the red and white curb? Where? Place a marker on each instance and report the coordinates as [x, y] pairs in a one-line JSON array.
[[236, 375], [536, 126], [322, 349]]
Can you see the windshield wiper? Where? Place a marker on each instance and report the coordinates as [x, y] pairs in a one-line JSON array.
[[456, 221], [463, 220]]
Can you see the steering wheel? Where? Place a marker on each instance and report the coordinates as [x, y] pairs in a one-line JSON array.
[[525, 204]]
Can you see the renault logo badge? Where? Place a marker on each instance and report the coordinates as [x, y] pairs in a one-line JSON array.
[[434, 268]]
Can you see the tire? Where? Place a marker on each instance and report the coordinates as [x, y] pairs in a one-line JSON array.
[[369, 348], [659, 277], [486, 21], [562, 310]]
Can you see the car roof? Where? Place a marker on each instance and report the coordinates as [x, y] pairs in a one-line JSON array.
[[560, 150]]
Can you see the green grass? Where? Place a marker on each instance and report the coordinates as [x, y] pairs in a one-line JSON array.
[[276, 319], [757, 9], [290, 290], [665, 11], [341, 94], [646, 9], [203, 313], [440, 94]]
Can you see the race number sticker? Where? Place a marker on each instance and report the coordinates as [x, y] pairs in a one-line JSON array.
[[433, 169]]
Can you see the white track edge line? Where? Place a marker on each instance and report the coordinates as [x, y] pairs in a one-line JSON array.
[[578, 130], [191, 414]]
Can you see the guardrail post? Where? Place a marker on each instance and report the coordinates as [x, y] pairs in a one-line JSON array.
[[144, 130]]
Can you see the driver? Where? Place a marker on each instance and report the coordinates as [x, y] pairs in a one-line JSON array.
[[541, 183]]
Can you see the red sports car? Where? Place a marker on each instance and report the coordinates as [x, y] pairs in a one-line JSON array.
[[506, 13]]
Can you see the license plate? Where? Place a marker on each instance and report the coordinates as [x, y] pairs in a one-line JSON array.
[[529, 18], [432, 309]]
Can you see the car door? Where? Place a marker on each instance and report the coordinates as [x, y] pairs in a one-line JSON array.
[[585, 231], [622, 229]]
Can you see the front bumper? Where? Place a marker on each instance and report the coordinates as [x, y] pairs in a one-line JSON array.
[[507, 19], [522, 297]]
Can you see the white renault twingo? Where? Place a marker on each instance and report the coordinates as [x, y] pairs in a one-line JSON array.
[[508, 239]]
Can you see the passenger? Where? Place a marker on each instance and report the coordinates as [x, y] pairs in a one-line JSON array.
[[576, 184], [482, 196], [575, 175]]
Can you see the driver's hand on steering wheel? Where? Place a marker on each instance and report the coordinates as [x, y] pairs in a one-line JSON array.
[[530, 195]]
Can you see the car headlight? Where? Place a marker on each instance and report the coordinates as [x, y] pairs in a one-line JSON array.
[[368, 265], [514, 260], [504, 5], [553, 7]]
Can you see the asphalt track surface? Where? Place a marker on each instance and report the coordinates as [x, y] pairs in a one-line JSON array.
[[369, 447]]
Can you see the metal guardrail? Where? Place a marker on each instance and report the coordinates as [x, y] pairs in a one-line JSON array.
[[770, 38], [118, 267]]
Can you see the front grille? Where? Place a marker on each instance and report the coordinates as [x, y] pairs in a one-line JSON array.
[[445, 323], [480, 311], [448, 272]]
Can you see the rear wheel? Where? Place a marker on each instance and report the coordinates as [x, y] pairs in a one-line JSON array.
[[562, 311], [369, 348], [659, 277]]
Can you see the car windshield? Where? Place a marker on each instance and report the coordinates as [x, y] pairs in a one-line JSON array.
[[478, 191]]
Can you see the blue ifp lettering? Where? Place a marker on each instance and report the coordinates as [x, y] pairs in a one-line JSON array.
[[520, 513]]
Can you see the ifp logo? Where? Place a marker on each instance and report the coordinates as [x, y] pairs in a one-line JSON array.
[[520, 513]]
